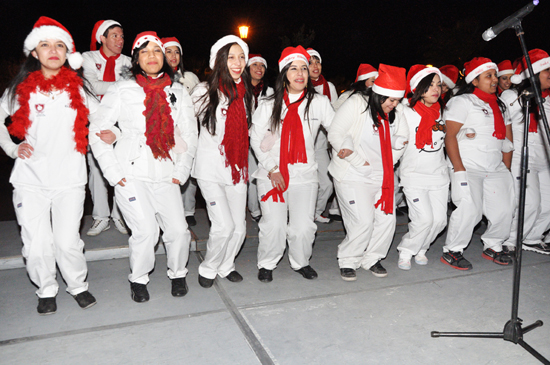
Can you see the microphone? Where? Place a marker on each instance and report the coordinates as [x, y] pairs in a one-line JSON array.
[[509, 22]]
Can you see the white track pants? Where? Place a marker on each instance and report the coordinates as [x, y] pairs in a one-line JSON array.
[[428, 215], [98, 190], [50, 223], [369, 231], [325, 183], [147, 208], [189, 196], [226, 205], [253, 197], [290, 221], [489, 194]]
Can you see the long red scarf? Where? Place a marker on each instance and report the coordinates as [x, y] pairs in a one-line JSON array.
[[321, 81], [293, 145], [159, 125], [109, 72], [257, 90], [491, 99], [533, 118], [235, 139], [66, 80], [428, 119], [386, 199]]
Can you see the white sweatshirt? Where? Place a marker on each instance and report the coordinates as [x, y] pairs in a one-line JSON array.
[[94, 66]]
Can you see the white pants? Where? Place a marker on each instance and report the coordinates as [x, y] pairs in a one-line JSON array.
[[537, 205], [325, 183], [369, 231], [189, 196], [290, 221], [253, 197], [147, 208], [334, 208], [98, 190], [490, 194], [50, 223], [428, 215], [226, 205]]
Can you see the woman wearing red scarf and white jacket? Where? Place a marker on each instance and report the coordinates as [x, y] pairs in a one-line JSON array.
[[151, 158], [368, 135], [481, 183], [223, 106], [537, 198], [423, 172], [283, 139]]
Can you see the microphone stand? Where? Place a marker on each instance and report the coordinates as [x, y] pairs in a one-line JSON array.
[[513, 330]]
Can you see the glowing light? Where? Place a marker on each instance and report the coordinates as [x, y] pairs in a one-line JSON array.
[[429, 65], [243, 31]]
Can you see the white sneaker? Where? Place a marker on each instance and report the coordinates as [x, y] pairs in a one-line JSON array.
[[421, 259], [98, 226], [120, 225], [322, 219], [404, 264]]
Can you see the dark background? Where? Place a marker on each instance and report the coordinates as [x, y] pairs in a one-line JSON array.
[[346, 33]]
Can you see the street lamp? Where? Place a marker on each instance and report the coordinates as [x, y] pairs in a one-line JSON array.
[[243, 31]]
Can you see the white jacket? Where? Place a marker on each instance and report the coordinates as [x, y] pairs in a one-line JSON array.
[[320, 113], [131, 157], [189, 80], [93, 65]]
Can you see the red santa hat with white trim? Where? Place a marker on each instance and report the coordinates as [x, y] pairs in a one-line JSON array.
[[291, 54], [99, 29], [228, 39], [171, 42], [314, 53], [391, 81], [449, 74], [477, 66], [257, 58], [48, 28], [540, 61], [365, 71], [148, 36], [505, 68], [417, 73]]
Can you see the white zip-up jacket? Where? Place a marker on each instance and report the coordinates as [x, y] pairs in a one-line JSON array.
[[93, 65]]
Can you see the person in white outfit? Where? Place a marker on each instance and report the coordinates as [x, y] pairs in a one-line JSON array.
[[368, 135], [423, 171], [223, 106], [366, 74], [151, 158], [102, 68], [49, 106], [257, 66], [481, 183], [504, 74], [449, 74], [537, 196], [188, 79], [283, 138], [322, 157]]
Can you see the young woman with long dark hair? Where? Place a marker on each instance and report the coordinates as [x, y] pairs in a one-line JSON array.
[[504, 74], [449, 75]]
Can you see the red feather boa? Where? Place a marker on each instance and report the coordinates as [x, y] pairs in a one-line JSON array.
[[66, 80]]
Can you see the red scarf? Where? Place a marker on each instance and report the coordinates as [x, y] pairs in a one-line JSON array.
[[293, 145], [386, 199], [428, 119], [533, 117], [109, 72], [321, 81], [235, 140], [159, 125], [66, 80], [257, 90], [491, 99]]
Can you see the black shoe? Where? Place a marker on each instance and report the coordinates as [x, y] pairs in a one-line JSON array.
[[509, 250], [191, 221], [46, 306], [335, 217], [234, 277], [456, 260], [205, 282], [348, 274], [179, 287], [139, 292], [307, 272], [378, 270], [541, 248], [499, 258], [257, 218], [265, 275], [85, 299]]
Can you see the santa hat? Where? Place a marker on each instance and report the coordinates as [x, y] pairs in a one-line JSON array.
[[365, 71], [505, 68], [540, 61], [477, 66], [144, 37], [391, 81], [228, 39], [417, 73], [291, 54], [313, 52], [99, 29], [47, 28], [257, 58], [171, 42], [449, 75]]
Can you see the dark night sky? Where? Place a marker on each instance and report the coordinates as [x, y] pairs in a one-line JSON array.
[[400, 33]]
